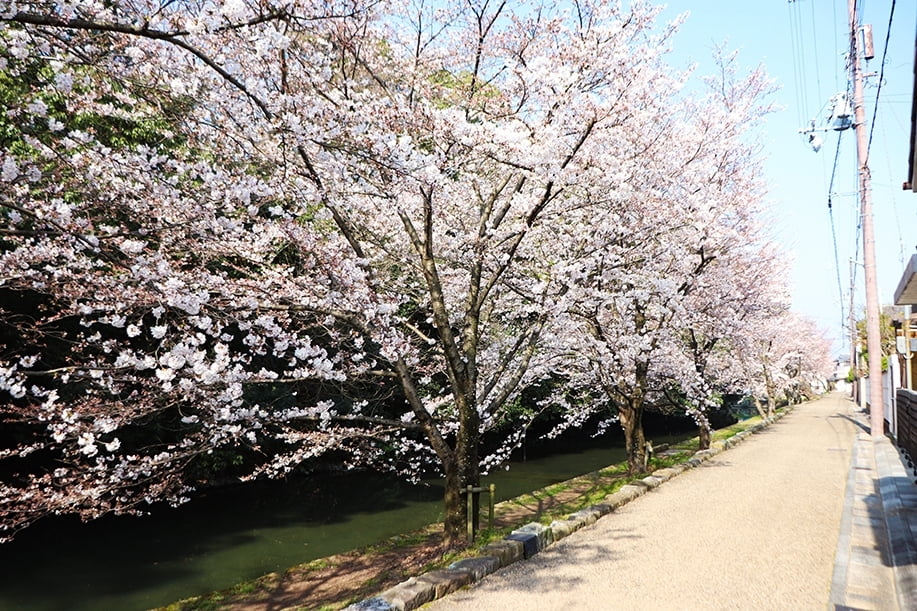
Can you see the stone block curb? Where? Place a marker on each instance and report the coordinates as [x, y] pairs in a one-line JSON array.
[[565, 528], [636, 489], [528, 540], [586, 516], [543, 534], [506, 551], [376, 603], [479, 566], [408, 595], [665, 474], [446, 581], [619, 499]]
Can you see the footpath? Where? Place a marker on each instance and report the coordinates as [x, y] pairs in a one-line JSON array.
[[808, 513]]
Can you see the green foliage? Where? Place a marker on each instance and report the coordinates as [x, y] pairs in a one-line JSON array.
[[886, 334], [884, 362], [215, 464], [455, 89], [113, 122], [516, 411]]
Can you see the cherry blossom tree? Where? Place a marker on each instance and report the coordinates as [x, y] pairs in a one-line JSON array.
[[741, 289], [661, 249], [745, 275], [266, 232], [292, 228], [785, 358]]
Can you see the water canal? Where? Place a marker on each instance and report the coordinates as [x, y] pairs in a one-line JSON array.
[[227, 536]]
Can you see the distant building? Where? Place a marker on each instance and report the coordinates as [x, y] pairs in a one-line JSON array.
[[841, 371]]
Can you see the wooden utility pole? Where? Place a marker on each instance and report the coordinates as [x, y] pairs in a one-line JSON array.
[[873, 343]]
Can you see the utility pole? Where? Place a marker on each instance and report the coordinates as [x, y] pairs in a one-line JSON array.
[[873, 344]]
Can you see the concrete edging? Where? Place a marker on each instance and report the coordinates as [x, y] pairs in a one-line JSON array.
[[894, 486], [528, 540]]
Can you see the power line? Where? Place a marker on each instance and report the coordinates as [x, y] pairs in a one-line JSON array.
[[875, 110], [837, 84], [815, 54], [894, 201], [837, 263], [798, 53]]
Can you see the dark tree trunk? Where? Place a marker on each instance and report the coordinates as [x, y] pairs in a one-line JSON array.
[[466, 450], [634, 440], [704, 436], [630, 415], [454, 529]]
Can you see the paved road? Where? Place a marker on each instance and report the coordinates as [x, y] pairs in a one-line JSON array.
[[756, 527]]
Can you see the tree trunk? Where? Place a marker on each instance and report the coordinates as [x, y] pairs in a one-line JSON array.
[[758, 407], [771, 391], [704, 436], [771, 406], [630, 413], [466, 451], [631, 418], [459, 464], [454, 525]]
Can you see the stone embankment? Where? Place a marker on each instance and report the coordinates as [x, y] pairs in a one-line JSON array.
[[530, 539]]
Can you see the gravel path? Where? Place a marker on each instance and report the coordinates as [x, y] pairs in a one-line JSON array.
[[756, 527]]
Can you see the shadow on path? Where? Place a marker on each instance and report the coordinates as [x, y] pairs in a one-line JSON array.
[[853, 420]]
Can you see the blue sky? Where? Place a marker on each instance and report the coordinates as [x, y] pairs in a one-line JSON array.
[[802, 45]]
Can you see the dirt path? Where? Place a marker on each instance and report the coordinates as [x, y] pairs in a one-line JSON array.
[[754, 528]]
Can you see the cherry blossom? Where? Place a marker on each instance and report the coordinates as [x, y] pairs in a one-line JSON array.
[[270, 232]]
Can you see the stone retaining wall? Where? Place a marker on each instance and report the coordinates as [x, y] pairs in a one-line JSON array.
[[530, 539]]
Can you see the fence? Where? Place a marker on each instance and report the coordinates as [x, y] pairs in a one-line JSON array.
[[907, 421], [472, 515]]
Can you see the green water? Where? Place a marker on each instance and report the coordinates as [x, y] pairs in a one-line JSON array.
[[217, 540]]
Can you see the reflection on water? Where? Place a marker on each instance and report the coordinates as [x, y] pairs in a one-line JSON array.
[[219, 539]]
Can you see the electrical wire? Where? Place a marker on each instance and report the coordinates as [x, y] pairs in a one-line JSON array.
[[797, 51], [875, 110], [837, 263], [837, 84], [818, 89], [894, 202]]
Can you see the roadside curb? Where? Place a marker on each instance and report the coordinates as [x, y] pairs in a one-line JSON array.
[[528, 540], [899, 504]]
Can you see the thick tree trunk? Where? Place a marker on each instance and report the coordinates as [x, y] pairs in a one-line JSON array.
[[704, 436], [468, 441], [630, 414], [454, 525], [631, 419], [459, 464]]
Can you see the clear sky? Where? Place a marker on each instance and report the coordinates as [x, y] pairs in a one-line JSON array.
[[803, 45]]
